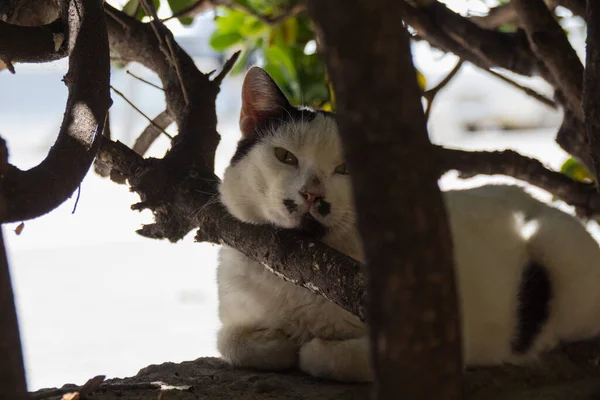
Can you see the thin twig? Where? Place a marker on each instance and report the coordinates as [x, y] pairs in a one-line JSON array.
[[76, 199], [178, 69], [144, 80], [528, 91], [169, 51], [227, 67], [431, 93], [140, 111]]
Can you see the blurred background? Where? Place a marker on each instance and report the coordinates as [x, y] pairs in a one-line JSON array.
[[93, 297]]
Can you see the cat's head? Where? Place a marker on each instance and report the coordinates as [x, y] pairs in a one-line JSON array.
[[288, 169]]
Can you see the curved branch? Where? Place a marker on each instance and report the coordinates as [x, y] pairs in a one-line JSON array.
[[33, 44], [152, 132], [485, 48], [29, 194], [584, 197], [550, 44]]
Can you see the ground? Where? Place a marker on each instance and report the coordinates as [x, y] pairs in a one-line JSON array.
[[571, 373]]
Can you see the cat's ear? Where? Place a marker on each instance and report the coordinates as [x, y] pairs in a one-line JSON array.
[[261, 98]]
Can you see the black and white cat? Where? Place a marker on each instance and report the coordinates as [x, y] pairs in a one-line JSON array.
[[520, 293]]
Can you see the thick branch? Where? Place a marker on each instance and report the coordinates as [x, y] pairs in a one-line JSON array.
[[196, 119], [413, 313], [482, 47], [12, 371], [301, 260], [551, 45], [29, 194], [583, 196], [591, 103], [33, 44]]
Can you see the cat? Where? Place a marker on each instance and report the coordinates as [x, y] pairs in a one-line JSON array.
[[527, 274]]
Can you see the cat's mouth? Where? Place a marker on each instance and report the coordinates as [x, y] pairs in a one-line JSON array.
[[312, 226]]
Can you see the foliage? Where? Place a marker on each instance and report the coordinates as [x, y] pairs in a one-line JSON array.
[[287, 47], [576, 171]]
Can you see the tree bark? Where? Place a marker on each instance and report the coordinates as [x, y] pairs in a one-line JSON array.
[[412, 313], [12, 372], [591, 90]]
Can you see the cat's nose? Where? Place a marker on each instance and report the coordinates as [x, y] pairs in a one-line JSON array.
[[311, 196]]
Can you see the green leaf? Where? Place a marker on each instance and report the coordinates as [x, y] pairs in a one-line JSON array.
[[252, 27], [141, 13], [178, 5], [131, 7], [186, 21], [576, 171], [222, 41]]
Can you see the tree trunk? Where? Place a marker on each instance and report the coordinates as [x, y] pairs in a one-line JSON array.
[[413, 315], [12, 372]]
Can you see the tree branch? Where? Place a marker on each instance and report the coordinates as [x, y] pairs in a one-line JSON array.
[[413, 315], [591, 105], [484, 48], [33, 44], [550, 44], [584, 197], [430, 94], [152, 132], [497, 16], [12, 371], [29, 194]]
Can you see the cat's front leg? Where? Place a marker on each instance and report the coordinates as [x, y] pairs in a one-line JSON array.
[[264, 348], [342, 360]]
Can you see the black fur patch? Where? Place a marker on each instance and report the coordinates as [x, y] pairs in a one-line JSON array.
[[289, 115], [244, 146], [290, 205], [310, 225], [324, 208], [535, 292]]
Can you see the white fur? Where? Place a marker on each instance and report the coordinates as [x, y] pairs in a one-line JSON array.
[[271, 324]]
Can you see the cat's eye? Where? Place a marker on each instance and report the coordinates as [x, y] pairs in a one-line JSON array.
[[285, 156], [342, 169]]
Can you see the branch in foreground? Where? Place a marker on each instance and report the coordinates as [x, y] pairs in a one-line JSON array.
[[413, 316], [12, 371], [29, 194], [550, 44], [591, 104], [33, 44]]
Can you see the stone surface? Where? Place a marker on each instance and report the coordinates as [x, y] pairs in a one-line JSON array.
[[569, 374]]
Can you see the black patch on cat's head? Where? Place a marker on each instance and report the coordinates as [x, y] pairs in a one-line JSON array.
[[535, 292], [286, 116], [308, 224], [290, 205], [324, 208]]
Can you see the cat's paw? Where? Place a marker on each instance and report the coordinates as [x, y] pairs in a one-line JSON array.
[[267, 349], [340, 360]]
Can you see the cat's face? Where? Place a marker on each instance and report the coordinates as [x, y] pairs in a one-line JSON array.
[[288, 169]]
